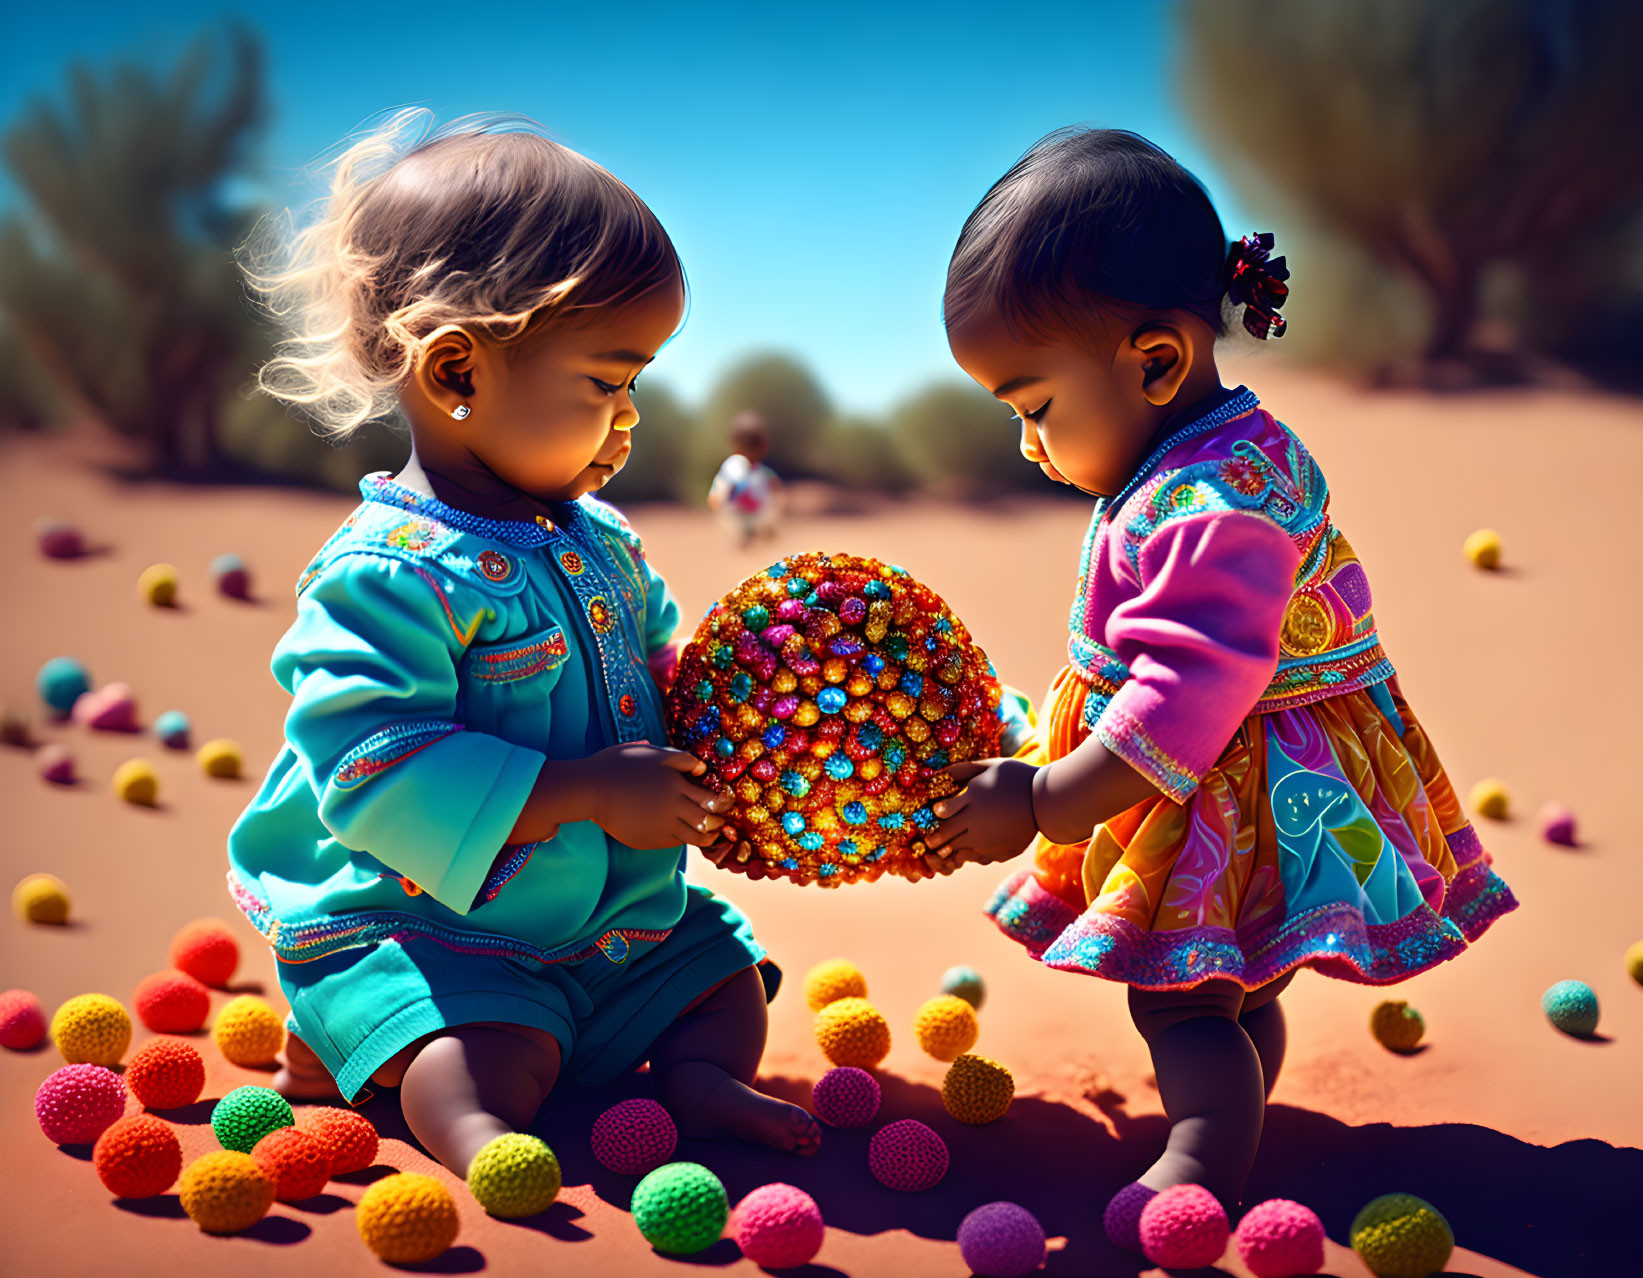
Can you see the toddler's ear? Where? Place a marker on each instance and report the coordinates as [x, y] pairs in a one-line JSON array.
[[1159, 357]]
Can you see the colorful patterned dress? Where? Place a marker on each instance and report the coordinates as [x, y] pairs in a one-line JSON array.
[[1222, 642]]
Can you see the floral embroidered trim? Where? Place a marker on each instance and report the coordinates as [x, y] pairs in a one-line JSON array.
[[495, 566], [1124, 736], [521, 662], [1353, 667], [599, 615], [381, 750], [572, 563], [419, 534], [1025, 912], [380, 486], [1096, 665]]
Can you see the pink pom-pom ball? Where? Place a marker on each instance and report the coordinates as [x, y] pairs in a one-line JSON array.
[[846, 1097], [1280, 1239], [1122, 1219], [1001, 1240], [55, 764], [1557, 824], [78, 1103], [907, 1155], [22, 1020], [58, 540], [778, 1227], [634, 1138], [1184, 1226]]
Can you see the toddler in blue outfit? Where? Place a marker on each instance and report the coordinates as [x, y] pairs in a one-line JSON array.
[[468, 858]]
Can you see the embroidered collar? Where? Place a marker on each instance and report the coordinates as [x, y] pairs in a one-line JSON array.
[[379, 486], [1219, 411]]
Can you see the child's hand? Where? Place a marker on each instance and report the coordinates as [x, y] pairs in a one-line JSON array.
[[991, 819], [642, 797]]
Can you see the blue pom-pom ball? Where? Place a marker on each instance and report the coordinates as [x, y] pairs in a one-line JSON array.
[[61, 682], [964, 983], [1572, 1007], [172, 729]]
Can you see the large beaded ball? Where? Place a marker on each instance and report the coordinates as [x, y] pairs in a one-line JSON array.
[[1001, 1240], [907, 1155], [634, 1137], [1572, 1007], [138, 1157], [91, 1028], [846, 1097], [225, 1191], [1184, 1227], [407, 1218], [828, 693], [1401, 1236], [977, 1090], [166, 1073], [681, 1208], [778, 1227], [946, 1026], [247, 1114], [1280, 1238], [77, 1103], [850, 1031]]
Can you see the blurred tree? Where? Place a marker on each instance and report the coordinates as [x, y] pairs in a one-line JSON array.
[[865, 454], [790, 399], [663, 465], [960, 441], [27, 398], [1447, 137]]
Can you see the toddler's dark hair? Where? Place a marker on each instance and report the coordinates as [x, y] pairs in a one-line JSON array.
[[1089, 219]]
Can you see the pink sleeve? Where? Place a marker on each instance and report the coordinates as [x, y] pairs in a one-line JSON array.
[[1200, 641]]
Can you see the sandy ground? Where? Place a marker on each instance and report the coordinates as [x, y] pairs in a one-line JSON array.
[[1527, 1139]]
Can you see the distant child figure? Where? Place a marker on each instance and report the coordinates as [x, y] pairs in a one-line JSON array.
[[1226, 783], [747, 493], [468, 857]]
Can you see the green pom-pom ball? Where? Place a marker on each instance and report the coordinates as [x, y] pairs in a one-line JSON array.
[[247, 1114], [964, 983], [1572, 1007], [1401, 1236], [681, 1208]]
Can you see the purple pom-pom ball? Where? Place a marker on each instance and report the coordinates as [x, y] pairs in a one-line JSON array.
[[634, 1138], [58, 540], [1557, 825], [78, 1103], [231, 576], [1183, 1227], [846, 1097], [1122, 1219], [778, 1227], [1281, 1238], [1001, 1240]]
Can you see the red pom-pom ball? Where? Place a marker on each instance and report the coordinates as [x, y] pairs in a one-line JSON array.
[[634, 1138], [166, 1073], [138, 1157], [1281, 1238], [348, 1135], [298, 1163], [172, 1002], [78, 1103], [778, 1227], [207, 951], [846, 1097], [907, 1155], [22, 1020], [1185, 1226]]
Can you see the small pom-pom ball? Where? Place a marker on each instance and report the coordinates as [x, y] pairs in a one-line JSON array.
[[61, 682], [1396, 1026], [157, 585], [830, 981], [41, 898], [850, 1031], [1185, 1226], [1001, 1240], [1280, 1238], [297, 1163], [946, 1026], [1483, 548], [1572, 1007], [1634, 961], [57, 540], [91, 1028], [172, 1002], [407, 1218], [1557, 825], [1488, 798], [778, 1227], [964, 983], [135, 781], [112, 708], [514, 1174], [14, 728], [681, 1208], [207, 951], [247, 1114], [1121, 1221], [55, 763], [346, 1133], [225, 1191], [172, 729], [977, 1090], [220, 758], [634, 1137], [248, 1032], [22, 1020], [1401, 1236], [77, 1103], [166, 1073], [846, 1097], [231, 577], [138, 1157], [907, 1155]]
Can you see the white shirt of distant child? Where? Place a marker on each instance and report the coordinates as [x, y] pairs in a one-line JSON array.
[[744, 493]]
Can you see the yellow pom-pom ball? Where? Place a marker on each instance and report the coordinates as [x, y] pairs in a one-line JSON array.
[[220, 758], [946, 1026], [135, 781], [247, 1031], [225, 1192], [41, 898], [1634, 962], [1396, 1026], [158, 585], [408, 1218], [515, 1174], [850, 1031], [1401, 1236], [91, 1029], [1488, 798], [830, 981], [1483, 548], [977, 1090]]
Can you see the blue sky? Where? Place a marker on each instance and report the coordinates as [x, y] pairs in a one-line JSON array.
[[813, 168]]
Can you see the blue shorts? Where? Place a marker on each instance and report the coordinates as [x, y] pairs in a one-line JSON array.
[[359, 1007]]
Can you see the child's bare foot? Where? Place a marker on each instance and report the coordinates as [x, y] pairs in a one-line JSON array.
[[303, 1076], [708, 1103]]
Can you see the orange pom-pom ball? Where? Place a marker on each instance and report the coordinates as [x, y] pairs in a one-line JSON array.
[[138, 1157], [22, 1020], [299, 1164], [946, 1027], [172, 1002], [346, 1133], [207, 951], [166, 1073], [248, 1031], [977, 1090], [226, 1192], [832, 980], [91, 1029], [407, 1218], [850, 1031]]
